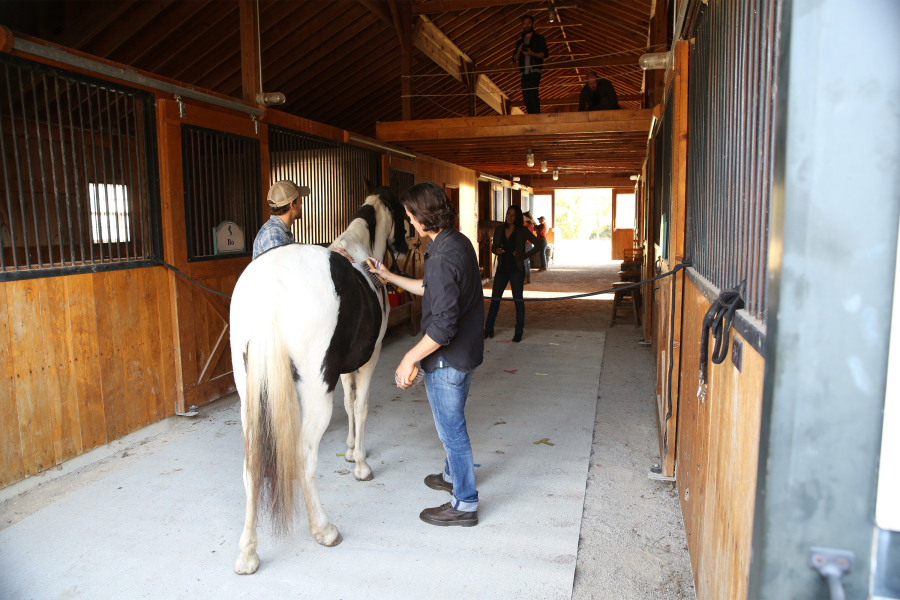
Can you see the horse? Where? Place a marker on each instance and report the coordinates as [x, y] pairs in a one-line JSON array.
[[302, 317]]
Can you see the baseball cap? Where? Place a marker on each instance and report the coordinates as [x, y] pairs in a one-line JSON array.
[[284, 192]]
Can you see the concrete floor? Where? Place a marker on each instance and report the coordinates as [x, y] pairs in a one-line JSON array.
[[161, 516]]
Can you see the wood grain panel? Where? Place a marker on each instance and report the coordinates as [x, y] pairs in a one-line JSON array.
[[151, 353], [136, 390], [61, 396], [718, 446], [107, 290], [86, 360], [168, 393], [11, 465], [35, 417]]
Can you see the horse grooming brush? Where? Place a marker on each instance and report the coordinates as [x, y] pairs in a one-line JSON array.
[[415, 376], [376, 264]]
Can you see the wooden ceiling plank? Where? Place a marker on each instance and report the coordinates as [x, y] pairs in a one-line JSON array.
[[190, 39], [210, 44], [441, 6], [91, 23], [124, 27], [149, 38], [325, 44]]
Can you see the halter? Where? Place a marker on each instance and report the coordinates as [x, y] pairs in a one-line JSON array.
[[395, 269]]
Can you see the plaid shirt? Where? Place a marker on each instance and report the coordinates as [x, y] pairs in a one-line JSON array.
[[273, 234]]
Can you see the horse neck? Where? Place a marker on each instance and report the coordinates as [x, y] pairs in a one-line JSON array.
[[358, 232]]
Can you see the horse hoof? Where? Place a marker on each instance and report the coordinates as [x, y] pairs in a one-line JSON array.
[[246, 566], [364, 474], [331, 537], [348, 455]]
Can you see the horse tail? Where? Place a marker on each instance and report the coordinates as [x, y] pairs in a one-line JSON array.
[[273, 425]]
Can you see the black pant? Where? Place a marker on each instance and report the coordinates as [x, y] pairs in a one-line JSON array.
[[516, 280], [530, 84]]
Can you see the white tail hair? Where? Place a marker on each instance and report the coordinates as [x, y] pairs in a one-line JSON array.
[[273, 424]]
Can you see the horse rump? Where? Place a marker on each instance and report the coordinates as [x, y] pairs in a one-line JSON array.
[[272, 425]]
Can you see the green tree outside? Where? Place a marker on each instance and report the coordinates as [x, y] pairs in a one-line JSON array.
[[584, 214]]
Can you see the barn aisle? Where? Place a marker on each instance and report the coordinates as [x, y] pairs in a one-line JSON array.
[[167, 524]]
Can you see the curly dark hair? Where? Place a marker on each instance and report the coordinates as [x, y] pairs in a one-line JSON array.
[[428, 203]]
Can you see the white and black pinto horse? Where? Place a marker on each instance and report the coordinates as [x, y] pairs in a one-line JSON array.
[[303, 316]]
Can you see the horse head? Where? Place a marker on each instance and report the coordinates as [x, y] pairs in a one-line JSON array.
[[396, 240]]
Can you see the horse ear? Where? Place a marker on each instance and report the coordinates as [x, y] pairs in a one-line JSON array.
[[370, 187]]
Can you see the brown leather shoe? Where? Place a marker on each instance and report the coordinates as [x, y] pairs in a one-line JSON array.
[[436, 482], [446, 516]]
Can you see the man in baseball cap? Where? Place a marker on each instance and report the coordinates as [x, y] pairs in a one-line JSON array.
[[285, 206]]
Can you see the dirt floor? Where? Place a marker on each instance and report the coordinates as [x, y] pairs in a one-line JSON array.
[[632, 542]]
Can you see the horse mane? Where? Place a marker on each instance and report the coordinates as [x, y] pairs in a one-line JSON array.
[[381, 203]]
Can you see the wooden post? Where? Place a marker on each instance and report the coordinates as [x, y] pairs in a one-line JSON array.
[[468, 69], [654, 81], [401, 11], [251, 69]]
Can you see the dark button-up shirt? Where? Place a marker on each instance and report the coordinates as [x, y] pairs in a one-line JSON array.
[[453, 303]]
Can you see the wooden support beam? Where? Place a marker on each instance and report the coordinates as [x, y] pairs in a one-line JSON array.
[[573, 99], [251, 68], [654, 81], [579, 63], [470, 79], [379, 10], [441, 6], [603, 121], [577, 182], [402, 15]]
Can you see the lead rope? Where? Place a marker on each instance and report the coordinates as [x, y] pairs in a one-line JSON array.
[[718, 319]]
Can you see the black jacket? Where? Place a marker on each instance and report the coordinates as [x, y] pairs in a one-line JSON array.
[[522, 235], [603, 98], [537, 44]]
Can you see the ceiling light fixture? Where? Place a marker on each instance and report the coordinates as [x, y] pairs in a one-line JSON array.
[[529, 158], [543, 166], [552, 13], [556, 174]]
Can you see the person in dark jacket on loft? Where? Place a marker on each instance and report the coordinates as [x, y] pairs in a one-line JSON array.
[[530, 52], [509, 246], [597, 94]]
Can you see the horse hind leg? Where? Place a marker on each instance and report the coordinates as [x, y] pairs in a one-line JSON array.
[[348, 382], [315, 400], [248, 560], [362, 471]]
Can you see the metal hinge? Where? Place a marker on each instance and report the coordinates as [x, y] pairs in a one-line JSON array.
[[832, 565]]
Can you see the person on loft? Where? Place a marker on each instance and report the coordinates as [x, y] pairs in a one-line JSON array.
[[530, 52], [597, 94]]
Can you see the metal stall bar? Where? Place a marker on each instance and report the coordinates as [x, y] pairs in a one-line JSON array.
[[40, 144]]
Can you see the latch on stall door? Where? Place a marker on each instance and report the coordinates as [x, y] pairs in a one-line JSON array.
[[832, 565]]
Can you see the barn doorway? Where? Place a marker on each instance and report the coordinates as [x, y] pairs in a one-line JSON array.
[[583, 226]]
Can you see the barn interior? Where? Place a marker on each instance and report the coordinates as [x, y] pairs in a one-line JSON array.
[[618, 456]]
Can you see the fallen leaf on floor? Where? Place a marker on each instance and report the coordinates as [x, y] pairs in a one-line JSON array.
[[513, 372], [544, 441], [540, 373], [341, 454]]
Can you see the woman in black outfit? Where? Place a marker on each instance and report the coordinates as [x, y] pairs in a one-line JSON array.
[[509, 246]]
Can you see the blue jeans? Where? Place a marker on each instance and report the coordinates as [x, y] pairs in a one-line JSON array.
[[447, 392], [516, 280]]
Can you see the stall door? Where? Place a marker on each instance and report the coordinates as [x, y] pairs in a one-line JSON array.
[[213, 190], [623, 210]]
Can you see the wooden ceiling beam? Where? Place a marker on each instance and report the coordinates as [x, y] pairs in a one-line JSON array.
[[441, 6], [380, 10], [197, 58], [251, 55], [513, 126], [581, 182]]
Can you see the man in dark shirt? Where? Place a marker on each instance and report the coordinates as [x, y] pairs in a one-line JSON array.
[[530, 52], [597, 94], [452, 346]]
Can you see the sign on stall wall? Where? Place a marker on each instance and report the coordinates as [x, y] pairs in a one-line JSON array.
[[887, 509], [229, 238]]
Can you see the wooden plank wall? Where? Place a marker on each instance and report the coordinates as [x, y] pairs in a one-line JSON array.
[[718, 447], [84, 359], [444, 173]]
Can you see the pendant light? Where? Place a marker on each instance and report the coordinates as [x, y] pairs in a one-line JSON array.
[[556, 174], [529, 158], [543, 166]]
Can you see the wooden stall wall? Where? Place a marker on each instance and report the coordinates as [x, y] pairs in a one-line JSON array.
[[718, 447], [84, 359]]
